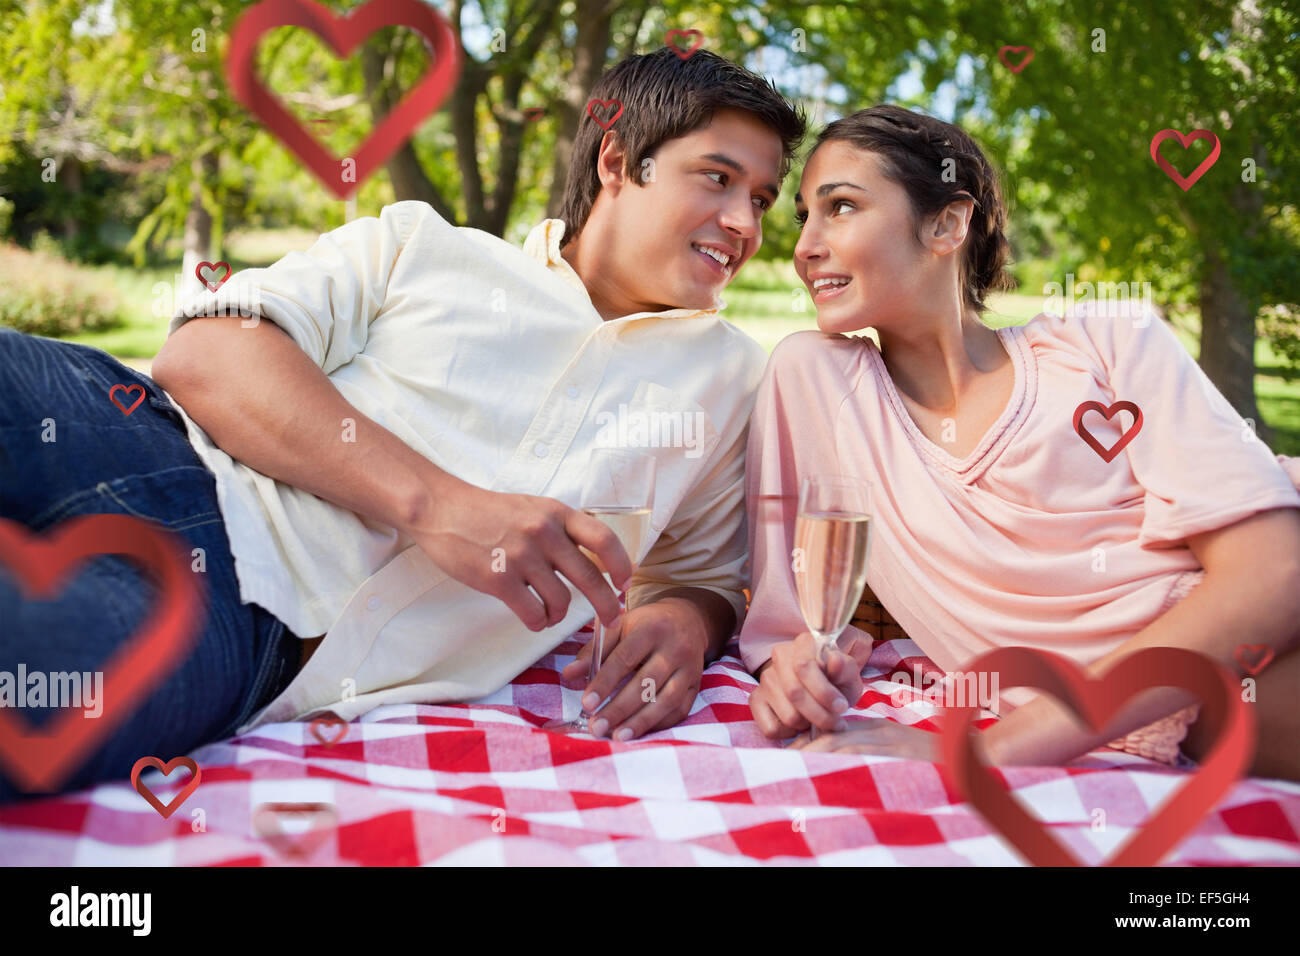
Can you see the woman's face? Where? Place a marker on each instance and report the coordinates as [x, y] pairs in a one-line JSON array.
[[857, 253]]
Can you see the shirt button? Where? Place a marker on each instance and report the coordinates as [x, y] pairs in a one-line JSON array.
[[372, 603], [540, 450], [571, 391]]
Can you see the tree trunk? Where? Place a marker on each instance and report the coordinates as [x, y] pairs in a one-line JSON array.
[[198, 221], [72, 185], [1228, 339], [595, 21]]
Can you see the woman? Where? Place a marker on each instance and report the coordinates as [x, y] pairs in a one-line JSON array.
[[994, 523]]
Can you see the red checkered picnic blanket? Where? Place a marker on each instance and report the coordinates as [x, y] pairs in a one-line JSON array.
[[480, 783]]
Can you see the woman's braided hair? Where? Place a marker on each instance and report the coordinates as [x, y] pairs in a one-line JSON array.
[[912, 149]]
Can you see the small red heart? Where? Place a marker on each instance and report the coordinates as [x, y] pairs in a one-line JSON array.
[[673, 35], [1002, 55], [212, 267], [128, 389], [329, 720], [1128, 436], [269, 820], [604, 105], [42, 761], [1253, 658], [344, 33], [1097, 700], [1190, 181], [534, 113], [166, 809]]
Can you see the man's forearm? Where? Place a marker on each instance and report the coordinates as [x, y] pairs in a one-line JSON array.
[[714, 614], [265, 403]]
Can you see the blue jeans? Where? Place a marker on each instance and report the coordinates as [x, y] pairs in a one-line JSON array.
[[102, 461]]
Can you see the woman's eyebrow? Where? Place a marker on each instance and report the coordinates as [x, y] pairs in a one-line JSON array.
[[825, 189]]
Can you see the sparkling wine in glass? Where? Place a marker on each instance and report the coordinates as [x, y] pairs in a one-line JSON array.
[[619, 493], [832, 535]]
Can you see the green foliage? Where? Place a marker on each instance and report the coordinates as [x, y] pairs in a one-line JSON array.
[[42, 294]]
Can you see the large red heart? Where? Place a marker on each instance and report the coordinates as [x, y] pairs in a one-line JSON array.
[[166, 809], [344, 34], [1185, 183], [1098, 700], [42, 761], [269, 820], [1128, 436], [1029, 55]]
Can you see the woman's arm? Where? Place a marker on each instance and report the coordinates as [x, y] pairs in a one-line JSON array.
[[1250, 594]]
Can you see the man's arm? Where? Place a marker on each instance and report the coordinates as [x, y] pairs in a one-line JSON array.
[[267, 404]]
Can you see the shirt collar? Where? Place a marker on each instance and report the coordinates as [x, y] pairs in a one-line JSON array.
[[543, 244]]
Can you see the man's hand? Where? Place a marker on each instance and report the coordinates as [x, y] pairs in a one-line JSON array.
[[464, 526], [661, 647], [882, 737], [794, 690]]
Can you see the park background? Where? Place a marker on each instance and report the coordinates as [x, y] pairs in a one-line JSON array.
[[125, 160]]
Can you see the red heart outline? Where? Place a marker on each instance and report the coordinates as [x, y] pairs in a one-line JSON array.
[[344, 34], [684, 54], [1263, 657], [329, 720], [42, 761], [1097, 700], [1108, 413], [198, 272], [1002, 55], [533, 113], [269, 826], [1186, 141], [128, 389], [604, 124], [166, 809]]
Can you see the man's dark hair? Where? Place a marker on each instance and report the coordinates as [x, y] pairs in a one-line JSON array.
[[665, 97]]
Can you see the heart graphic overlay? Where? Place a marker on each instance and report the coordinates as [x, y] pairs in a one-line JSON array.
[[321, 729], [1108, 455], [166, 809], [42, 761], [1184, 183], [533, 113], [295, 830], [597, 109], [344, 34], [129, 389], [1002, 55], [203, 267], [671, 38], [1253, 658], [1097, 700]]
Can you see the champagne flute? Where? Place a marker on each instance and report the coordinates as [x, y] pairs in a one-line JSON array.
[[618, 492], [832, 540]]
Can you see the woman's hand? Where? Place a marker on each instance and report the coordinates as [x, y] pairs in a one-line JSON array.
[[794, 690], [881, 737]]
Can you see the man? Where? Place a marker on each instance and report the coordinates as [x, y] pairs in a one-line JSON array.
[[395, 446]]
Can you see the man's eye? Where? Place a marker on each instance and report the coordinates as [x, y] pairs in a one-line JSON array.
[[765, 204], [714, 173]]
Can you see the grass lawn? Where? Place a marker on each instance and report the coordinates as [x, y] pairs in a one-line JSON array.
[[768, 302]]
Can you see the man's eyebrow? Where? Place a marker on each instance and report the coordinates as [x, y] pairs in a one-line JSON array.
[[724, 160], [825, 189]]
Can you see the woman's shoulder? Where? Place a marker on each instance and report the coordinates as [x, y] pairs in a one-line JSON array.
[[1100, 327], [812, 348]]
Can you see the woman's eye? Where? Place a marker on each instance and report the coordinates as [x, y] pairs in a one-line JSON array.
[[801, 217], [840, 202]]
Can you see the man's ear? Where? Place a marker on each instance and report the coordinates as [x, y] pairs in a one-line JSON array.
[[610, 163], [950, 225]]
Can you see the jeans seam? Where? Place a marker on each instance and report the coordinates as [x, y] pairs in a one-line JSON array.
[[268, 670]]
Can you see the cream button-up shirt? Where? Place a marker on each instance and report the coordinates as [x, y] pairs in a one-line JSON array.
[[492, 362]]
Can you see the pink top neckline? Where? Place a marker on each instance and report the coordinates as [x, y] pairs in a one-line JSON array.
[[998, 435]]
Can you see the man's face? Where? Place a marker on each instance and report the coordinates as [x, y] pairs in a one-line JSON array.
[[708, 190]]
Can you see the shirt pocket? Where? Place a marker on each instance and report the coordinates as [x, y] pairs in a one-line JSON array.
[[677, 432]]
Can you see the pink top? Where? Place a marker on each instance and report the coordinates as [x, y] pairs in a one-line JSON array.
[[1032, 539]]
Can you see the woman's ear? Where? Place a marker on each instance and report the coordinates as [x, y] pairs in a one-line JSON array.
[[950, 225], [610, 163]]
